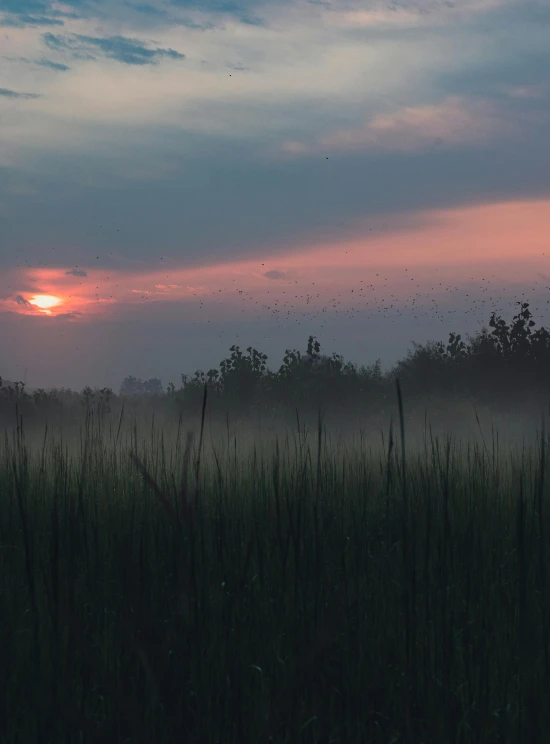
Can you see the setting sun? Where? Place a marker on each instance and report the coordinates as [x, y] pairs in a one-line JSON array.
[[44, 302]]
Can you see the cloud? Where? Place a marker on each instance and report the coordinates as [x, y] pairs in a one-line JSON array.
[[21, 300], [77, 272], [68, 316], [40, 62], [526, 67], [242, 10], [7, 93], [196, 25], [310, 79], [455, 121], [21, 20], [146, 9], [21, 190], [52, 65], [24, 6], [121, 48], [275, 274]]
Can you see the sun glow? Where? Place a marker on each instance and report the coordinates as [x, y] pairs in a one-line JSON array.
[[45, 302]]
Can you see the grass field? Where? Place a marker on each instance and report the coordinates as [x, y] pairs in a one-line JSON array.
[[158, 587]]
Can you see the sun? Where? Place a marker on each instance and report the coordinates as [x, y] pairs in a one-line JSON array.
[[45, 302]]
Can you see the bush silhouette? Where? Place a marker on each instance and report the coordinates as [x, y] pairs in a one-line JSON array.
[[497, 367]]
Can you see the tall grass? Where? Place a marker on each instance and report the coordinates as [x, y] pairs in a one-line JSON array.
[[157, 588]]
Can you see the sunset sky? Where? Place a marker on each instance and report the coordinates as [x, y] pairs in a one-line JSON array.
[[180, 176]]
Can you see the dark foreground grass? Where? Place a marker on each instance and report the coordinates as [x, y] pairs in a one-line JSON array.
[[305, 593]]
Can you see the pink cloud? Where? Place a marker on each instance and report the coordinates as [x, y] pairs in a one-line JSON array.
[[454, 121], [511, 238], [535, 92]]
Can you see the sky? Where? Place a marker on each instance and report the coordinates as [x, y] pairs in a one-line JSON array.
[[179, 176]]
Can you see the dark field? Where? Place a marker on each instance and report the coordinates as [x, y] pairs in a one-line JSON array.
[[297, 586]]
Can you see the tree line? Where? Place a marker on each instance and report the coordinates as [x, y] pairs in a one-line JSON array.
[[499, 364]]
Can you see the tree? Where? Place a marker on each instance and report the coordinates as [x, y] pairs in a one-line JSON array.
[[131, 386], [136, 386], [153, 386]]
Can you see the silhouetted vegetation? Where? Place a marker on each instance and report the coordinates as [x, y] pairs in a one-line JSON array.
[[491, 367], [161, 589], [136, 386], [498, 368]]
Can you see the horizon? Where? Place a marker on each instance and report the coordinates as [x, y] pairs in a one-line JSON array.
[[385, 368]]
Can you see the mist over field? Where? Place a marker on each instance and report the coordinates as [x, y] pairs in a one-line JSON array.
[[323, 552]]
